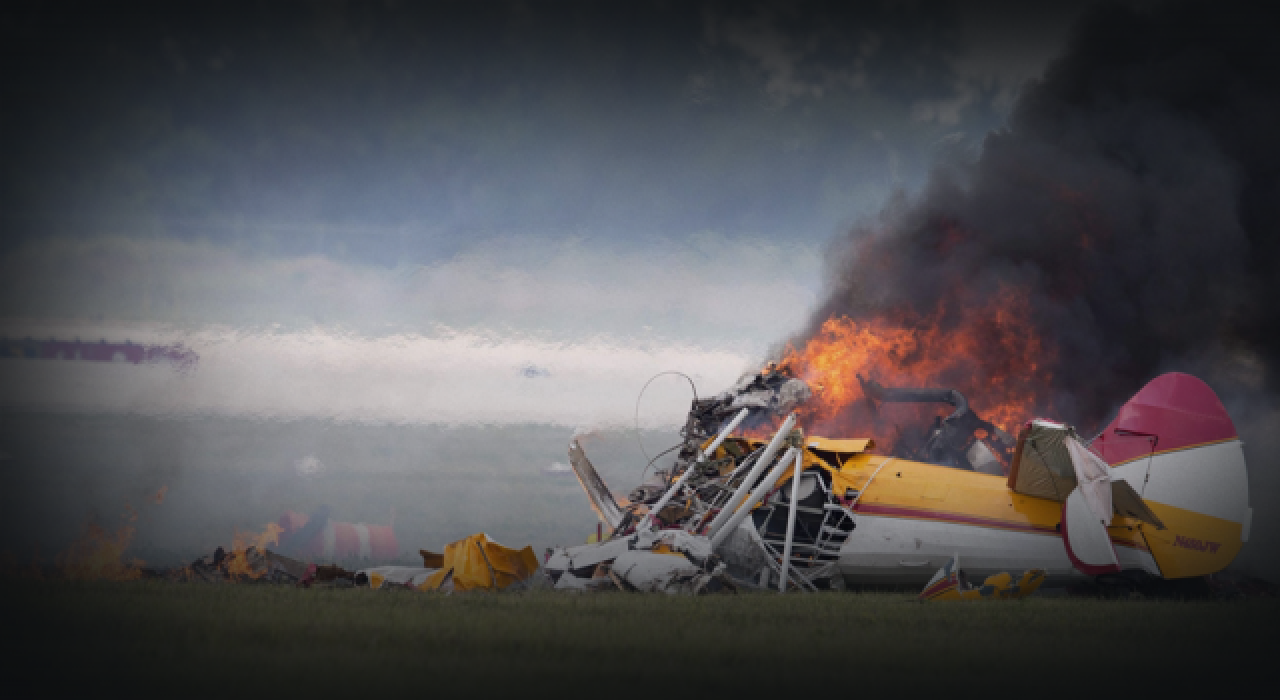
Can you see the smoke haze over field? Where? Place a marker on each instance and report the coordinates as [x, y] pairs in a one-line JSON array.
[[404, 237]]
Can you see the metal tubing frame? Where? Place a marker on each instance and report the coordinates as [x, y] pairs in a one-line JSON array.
[[763, 489], [791, 522], [652, 515], [731, 506]]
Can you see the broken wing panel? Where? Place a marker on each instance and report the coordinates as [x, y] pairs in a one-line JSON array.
[[509, 565], [478, 563], [650, 572], [398, 575], [602, 501]]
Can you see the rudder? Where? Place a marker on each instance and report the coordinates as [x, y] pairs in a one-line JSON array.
[[1177, 447]]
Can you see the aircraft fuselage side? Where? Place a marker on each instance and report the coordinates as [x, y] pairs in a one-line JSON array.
[[913, 517]]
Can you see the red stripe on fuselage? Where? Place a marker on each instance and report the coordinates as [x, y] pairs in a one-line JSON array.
[[963, 519]]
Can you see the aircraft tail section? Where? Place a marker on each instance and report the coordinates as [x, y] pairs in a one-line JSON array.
[[1175, 445]]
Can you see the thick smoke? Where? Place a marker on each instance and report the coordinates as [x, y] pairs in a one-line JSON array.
[[1132, 201]]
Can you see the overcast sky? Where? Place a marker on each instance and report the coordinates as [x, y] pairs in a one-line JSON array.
[[658, 178]]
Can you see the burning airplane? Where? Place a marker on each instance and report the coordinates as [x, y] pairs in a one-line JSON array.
[[752, 500]]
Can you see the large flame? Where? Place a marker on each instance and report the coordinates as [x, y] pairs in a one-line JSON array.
[[988, 349]]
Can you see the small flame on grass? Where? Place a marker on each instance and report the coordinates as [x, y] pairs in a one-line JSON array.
[[238, 561], [99, 556]]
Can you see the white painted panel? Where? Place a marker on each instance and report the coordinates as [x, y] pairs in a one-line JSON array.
[[1210, 480], [1087, 532], [1134, 472], [878, 547], [907, 551]]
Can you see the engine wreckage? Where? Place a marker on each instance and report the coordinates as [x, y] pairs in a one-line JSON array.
[[719, 519], [810, 513]]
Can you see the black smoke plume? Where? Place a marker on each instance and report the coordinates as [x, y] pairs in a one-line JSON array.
[[1133, 200]]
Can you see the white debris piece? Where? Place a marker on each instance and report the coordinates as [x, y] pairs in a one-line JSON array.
[[378, 576], [668, 561]]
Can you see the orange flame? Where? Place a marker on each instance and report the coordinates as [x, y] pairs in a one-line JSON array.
[[99, 555], [238, 564], [989, 350]]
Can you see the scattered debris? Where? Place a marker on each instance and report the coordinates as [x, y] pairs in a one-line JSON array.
[[950, 583], [666, 561], [750, 502], [282, 569], [479, 563], [330, 576], [471, 564], [719, 518], [431, 560], [245, 566], [408, 577]]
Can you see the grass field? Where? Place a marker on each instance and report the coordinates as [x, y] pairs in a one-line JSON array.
[[257, 640]]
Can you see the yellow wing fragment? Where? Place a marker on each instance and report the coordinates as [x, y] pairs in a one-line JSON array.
[[478, 563], [950, 583]]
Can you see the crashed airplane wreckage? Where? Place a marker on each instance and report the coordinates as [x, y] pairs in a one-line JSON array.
[[1160, 494]]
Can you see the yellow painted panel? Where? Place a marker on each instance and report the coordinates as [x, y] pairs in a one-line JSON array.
[[1192, 544], [840, 446], [915, 490], [964, 494], [477, 563], [936, 492]]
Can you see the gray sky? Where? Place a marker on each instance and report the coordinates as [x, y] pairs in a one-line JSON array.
[[532, 167], [626, 177], [393, 133]]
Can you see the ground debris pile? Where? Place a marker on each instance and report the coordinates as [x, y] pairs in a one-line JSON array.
[[251, 565], [731, 512], [666, 561], [219, 568], [473, 563]]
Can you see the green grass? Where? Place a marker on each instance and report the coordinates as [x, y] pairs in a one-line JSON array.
[[209, 639]]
